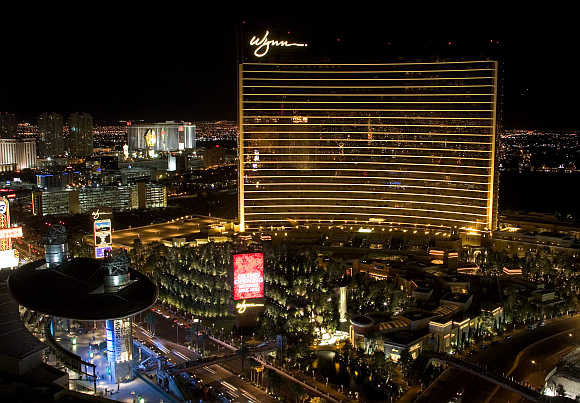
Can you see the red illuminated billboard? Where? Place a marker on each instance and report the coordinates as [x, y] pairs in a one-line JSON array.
[[248, 276]]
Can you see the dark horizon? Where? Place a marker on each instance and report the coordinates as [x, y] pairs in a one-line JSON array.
[[191, 74]]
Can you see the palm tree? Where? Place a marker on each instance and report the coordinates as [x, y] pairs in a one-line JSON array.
[[150, 319]]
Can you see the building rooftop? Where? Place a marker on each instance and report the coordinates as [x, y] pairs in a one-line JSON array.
[[72, 290], [15, 340], [362, 321], [417, 315], [406, 338], [460, 298]]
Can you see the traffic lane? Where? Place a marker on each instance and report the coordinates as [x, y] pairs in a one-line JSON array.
[[247, 391], [166, 349], [498, 357], [219, 377], [536, 363]]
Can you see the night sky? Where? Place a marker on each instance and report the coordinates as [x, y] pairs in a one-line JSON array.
[[152, 71]]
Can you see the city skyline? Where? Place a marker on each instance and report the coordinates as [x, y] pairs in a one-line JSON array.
[[199, 207], [176, 75]]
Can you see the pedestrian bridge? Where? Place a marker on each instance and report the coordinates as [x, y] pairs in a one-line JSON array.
[[236, 353], [497, 379]]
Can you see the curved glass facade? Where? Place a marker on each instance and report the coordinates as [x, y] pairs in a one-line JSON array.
[[399, 144], [159, 137]]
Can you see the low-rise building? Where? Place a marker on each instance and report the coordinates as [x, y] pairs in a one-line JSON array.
[[16, 155], [445, 328], [119, 198]]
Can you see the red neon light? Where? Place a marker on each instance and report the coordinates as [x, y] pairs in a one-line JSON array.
[[248, 276]]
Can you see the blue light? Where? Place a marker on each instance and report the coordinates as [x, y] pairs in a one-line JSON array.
[[101, 251]]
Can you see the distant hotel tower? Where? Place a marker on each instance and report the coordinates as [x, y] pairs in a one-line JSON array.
[[50, 128], [368, 145], [80, 141]]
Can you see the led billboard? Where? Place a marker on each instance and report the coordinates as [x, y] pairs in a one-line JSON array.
[[14, 232], [5, 243], [103, 237], [8, 258], [248, 276]]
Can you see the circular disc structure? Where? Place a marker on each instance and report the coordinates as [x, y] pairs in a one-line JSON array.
[[75, 290]]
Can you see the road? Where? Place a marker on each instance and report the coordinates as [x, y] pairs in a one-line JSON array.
[[219, 377], [175, 352], [214, 375], [539, 359], [500, 357]]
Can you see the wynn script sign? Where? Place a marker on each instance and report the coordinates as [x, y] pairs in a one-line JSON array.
[[263, 44], [241, 307]]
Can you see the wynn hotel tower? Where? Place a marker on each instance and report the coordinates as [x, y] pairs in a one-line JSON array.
[[404, 145]]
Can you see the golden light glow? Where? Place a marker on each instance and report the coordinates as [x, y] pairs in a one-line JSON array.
[[241, 307], [329, 142], [263, 44]]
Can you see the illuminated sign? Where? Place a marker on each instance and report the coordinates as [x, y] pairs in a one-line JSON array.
[[5, 243], [8, 258], [241, 307], [248, 276], [103, 237], [263, 44], [150, 138], [98, 213], [15, 232]]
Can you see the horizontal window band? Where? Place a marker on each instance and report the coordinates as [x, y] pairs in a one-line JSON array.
[[260, 225], [254, 225], [370, 185], [363, 177], [368, 207], [368, 117], [358, 199], [367, 170], [361, 214], [368, 87], [360, 155], [363, 125], [371, 110], [364, 71], [373, 140], [367, 102], [366, 79], [361, 191], [365, 133], [367, 155], [245, 94], [366, 162], [364, 148], [371, 64]]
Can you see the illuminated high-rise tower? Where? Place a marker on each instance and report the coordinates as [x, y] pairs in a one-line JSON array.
[[403, 144]]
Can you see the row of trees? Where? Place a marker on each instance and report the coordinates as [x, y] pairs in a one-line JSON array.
[[367, 294], [301, 297], [541, 265], [192, 279]]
